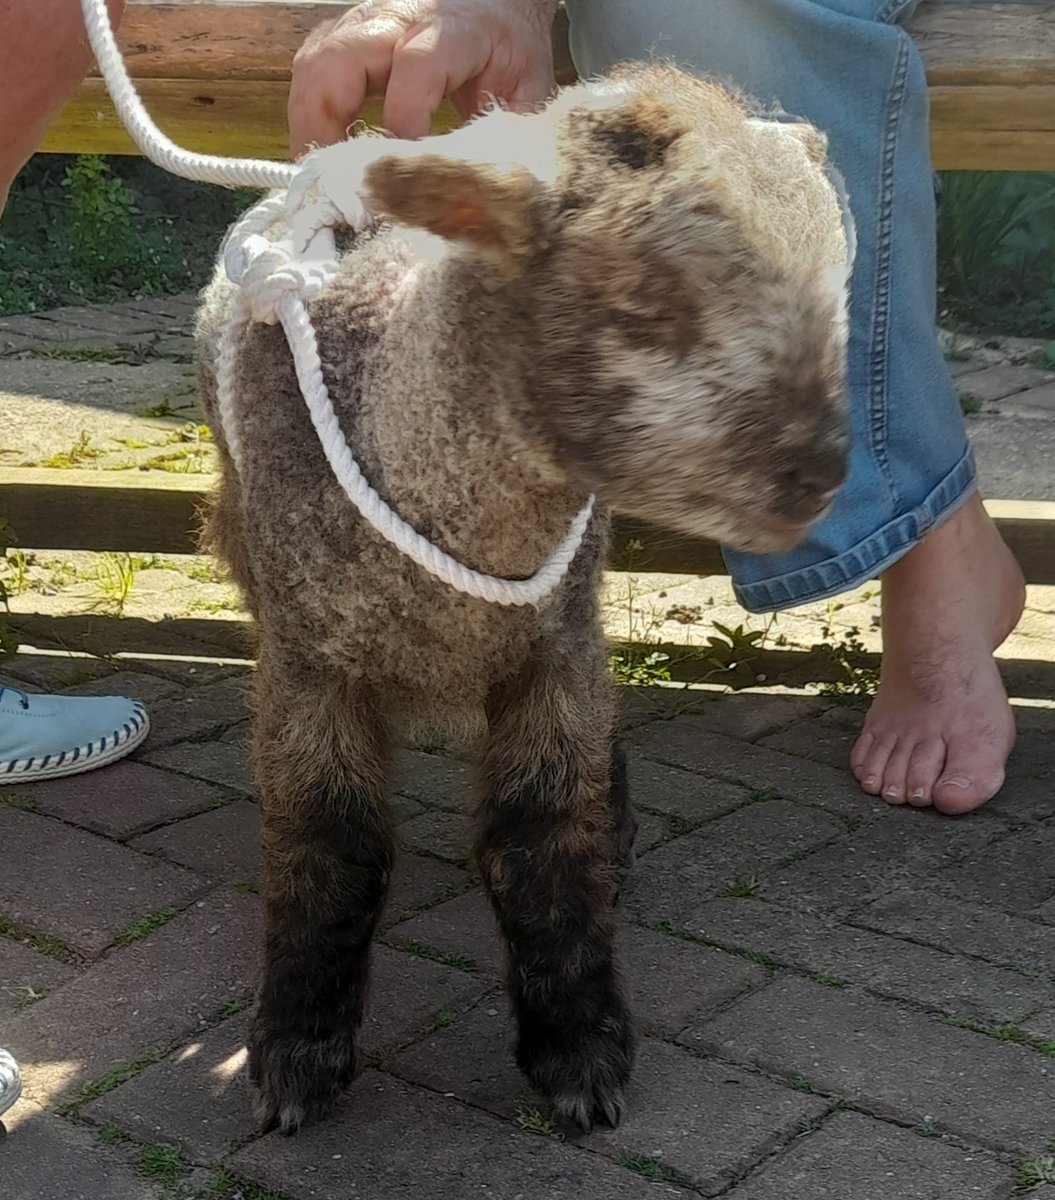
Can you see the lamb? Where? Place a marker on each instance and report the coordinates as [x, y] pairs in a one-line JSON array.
[[637, 292]]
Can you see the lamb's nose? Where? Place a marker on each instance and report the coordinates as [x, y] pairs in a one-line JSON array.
[[804, 492]]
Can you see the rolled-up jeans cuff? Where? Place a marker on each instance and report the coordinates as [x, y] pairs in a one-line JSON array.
[[869, 557]]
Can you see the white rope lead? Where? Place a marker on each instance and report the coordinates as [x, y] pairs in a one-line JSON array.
[[202, 168], [275, 284]]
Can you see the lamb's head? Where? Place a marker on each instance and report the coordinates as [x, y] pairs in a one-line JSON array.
[[681, 266]]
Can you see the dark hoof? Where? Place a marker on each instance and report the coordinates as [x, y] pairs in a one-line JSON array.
[[582, 1070], [294, 1081]]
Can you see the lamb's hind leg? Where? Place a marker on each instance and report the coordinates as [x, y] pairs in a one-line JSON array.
[[321, 758], [544, 846]]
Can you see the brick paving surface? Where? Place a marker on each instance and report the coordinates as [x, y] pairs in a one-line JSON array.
[[838, 1000]]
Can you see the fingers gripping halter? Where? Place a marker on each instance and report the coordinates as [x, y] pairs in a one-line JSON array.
[[277, 278]]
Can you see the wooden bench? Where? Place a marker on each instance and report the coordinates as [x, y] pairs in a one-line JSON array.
[[214, 74]]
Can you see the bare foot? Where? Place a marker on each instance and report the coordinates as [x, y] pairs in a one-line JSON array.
[[940, 729]]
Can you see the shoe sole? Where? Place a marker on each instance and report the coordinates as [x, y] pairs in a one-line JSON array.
[[95, 754]]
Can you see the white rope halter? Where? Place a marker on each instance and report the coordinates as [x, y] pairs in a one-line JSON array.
[[276, 282]]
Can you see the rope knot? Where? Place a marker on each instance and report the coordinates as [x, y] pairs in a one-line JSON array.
[[268, 272]]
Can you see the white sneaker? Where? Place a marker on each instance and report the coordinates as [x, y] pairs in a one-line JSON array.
[[42, 737], [10, 1081]]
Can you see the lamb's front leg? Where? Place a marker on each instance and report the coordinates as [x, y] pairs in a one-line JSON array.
[[544, 847], [321, 758]]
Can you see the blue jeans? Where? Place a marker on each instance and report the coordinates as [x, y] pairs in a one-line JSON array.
[[847, 66]]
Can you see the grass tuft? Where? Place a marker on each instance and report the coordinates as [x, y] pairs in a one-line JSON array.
[[647, 1165], [16, 800], [145, 926], [110, 1135], [164, 1163], [227, 1186], [742, 888], [99, 1087], [43, 943], [1001, 1033], [1035, 1174], [830, 980], [461, 961], [533, 1119]]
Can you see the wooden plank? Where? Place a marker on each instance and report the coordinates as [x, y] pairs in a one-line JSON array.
[[211, 116], [999, 128], [999, 107], [249, 119], [968, 42], [52, 509], [962, 41], [218, 39], [241, 39], [988, 150], [991, 66], [95, 510]]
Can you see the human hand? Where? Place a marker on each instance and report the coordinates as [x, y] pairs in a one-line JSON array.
[[415, 53]]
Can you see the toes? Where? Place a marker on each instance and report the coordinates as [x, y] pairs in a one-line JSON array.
[[973, 771], [873, 766], [957, 792], [964, 788], [925, 764], [860, 752], [896, 771]]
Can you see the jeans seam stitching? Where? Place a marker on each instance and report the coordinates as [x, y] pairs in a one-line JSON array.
[[878, 375]]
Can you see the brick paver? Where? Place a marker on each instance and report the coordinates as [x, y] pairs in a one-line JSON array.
[[884, 965], [139, 1000], [434, 780], [747, 1116], [95, 888], [991, 874], [224, 763], [723, 853], [392, 1141], [45, 1158], [757, 767], [678, 794], [977, 930], [856, 1158], [994, 383], [894, 1061], [223, 843], [197, 714], [878, 858], [123, 800], [196, 1098], [26, 976]]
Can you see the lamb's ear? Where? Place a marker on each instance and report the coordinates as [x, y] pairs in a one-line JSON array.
[[638, 134], [496, 212]]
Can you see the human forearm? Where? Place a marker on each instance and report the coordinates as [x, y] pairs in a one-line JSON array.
[[44, 55]]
